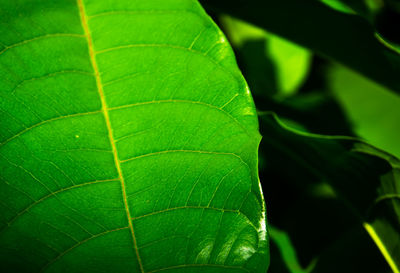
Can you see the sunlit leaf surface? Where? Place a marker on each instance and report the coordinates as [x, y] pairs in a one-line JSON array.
[[129, 141]]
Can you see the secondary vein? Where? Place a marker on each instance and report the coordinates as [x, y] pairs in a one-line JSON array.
[[105, 110]]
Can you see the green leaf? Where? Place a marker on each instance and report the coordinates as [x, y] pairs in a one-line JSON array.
[[350, 167], [388, 44], [373, 110], [346, 38], [355, 251], [287, 251], [290, 62], [129, 141], [338, 5], [365, 8]]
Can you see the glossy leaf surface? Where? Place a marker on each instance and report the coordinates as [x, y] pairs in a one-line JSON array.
[[129, 141]]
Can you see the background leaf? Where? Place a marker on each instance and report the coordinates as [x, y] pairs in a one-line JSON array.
[[339, 5], [373, 110], [281, 241], [345, 38], [289, 62], [349, 167]]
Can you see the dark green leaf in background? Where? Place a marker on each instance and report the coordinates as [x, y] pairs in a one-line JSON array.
[[281, 241], [346, 38], [289, 62], [373, 110], [339, 6], [366, 179], [129, 141]]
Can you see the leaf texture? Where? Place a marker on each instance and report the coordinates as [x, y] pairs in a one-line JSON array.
[[129, 141]]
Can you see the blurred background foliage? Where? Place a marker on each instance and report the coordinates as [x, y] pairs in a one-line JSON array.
[[325, 77]]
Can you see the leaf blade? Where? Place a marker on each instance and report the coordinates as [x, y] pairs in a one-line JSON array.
[[126, 131]]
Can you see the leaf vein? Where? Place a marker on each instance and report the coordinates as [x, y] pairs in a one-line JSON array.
[[78, 244], [199, 265], [184, 151], [39, 38], [47, 121], [183, 101], [92, 55], [197, 207], [54, 194]]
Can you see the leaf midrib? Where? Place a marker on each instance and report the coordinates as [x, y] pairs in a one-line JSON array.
[[104, 110]]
